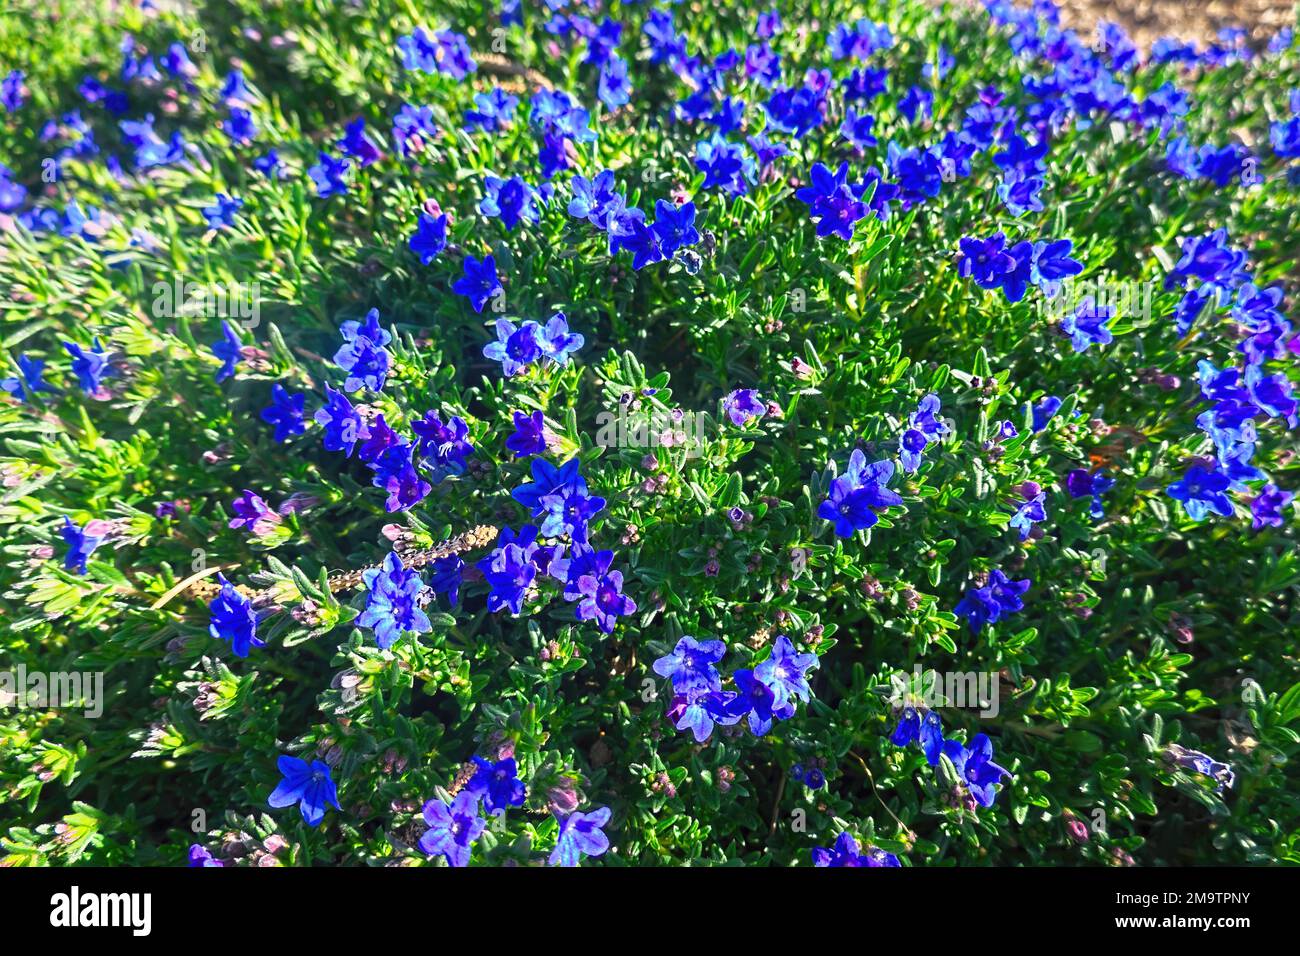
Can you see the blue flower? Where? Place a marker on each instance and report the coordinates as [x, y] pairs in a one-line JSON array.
[[229, 349], [987, 605], [975, 767], [493, 111], [285, 413], [530, 435], [81, 545], [690, 666], [309, 786], [725, 165], [515, 348], [393, 602], [985, 260], [498, 784], [479, 282], [613, 88], [856, 128], [1271, 507], [856, 495], [91, 368], [268, 164], [580, 835], [1044, 411], [430, 237], [1087, 325], [593, 198], [760, 702], [784, 672], [511, 200], [510, 572], [446, 575], [1031, 511], [342, 423], [221, 214], [548, 480], [1052, 264], [29, 381], [231, 618], [832, 201], [926, 730], [1201, 490], [845, 854], [328, 176], [556, 341], [628, 230], [674, 226], [362, 354], [568, 512]]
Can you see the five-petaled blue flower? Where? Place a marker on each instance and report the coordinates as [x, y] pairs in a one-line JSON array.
[[308, 785]]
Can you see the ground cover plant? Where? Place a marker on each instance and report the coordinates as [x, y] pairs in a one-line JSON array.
[[645, 434]]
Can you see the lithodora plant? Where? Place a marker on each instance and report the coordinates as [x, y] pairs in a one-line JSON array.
[[645, 434]]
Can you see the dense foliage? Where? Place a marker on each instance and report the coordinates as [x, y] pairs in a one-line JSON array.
[[636, 433]]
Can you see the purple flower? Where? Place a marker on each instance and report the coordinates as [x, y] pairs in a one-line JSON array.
[[445, 444], [987, 605], [200, 857], [845, 854], [580, 835], [493, 111], [253, 513], [530, 435], [1031, 511], [357, 144], [784, 672], [985, 260], [452, 829], [1081, 483], [1270, 507], [510, 572], [602, 596], [309, 786], [1087, 325], [742, 406], [342, 423], [395, 472]]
